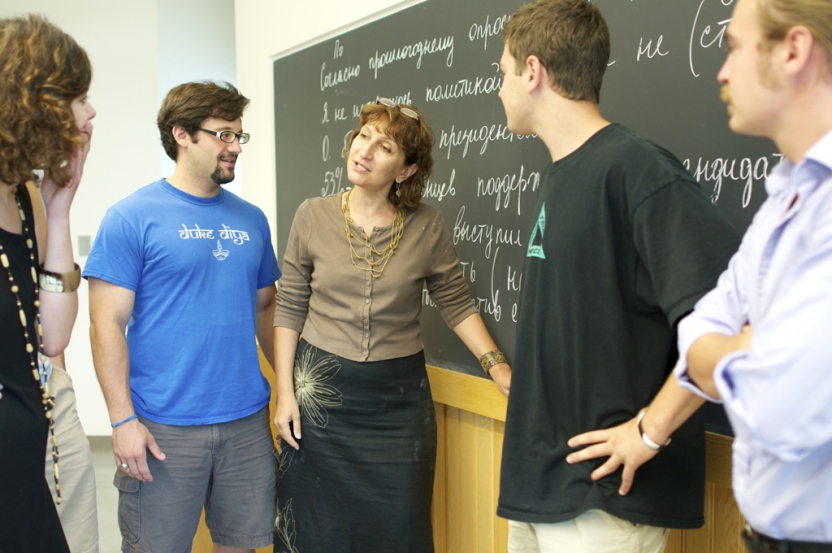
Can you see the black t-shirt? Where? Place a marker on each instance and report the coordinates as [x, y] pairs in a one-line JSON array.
[[623, 245]]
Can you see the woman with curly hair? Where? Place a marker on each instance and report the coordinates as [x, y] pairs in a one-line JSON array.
[[356, 265], [45, 124]]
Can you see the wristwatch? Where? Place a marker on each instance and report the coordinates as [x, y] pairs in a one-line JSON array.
[[59, 282]]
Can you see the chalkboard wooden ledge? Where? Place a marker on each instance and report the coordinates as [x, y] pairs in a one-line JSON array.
[[466, 392], [480, 396]]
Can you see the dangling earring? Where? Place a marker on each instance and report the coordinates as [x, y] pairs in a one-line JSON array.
[[398, 189]]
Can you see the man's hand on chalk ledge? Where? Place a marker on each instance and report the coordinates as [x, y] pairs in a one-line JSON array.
[[622, 444], [501, 374]]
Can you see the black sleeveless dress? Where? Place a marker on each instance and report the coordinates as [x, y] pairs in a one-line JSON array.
[[28, 519]]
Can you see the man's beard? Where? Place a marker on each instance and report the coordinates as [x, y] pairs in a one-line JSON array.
[[219, 176]]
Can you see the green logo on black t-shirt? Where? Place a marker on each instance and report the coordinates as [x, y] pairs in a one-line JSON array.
[[536, 250]]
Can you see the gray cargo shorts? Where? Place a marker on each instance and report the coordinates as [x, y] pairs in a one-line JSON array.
[[227, 468]]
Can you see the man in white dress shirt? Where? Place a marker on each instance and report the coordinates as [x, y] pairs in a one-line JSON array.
[[761, 341]]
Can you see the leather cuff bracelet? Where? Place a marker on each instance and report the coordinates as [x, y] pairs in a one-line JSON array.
[[646, 439], [59, 282], [492, 358]]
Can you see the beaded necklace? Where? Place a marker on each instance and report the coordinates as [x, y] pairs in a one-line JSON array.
[[378, 259], [36, 358]]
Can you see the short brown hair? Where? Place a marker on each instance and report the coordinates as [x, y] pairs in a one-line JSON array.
[[571, 40], [42, 70], [415, 139], [189, 104], [778, 16]]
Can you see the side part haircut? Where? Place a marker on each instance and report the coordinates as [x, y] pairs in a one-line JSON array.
[[42, 70], [778, 16], [571, 40], [189, 104]]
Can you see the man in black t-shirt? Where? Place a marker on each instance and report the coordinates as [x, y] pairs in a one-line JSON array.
[[623, 245]]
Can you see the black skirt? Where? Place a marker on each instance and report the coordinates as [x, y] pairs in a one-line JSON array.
[[362, 480]]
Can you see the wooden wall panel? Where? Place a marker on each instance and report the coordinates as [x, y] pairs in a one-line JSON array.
[[728, 520], [500, 524], [453, 483], [469, 459], [440, 501], [675, 542], [468, 479]]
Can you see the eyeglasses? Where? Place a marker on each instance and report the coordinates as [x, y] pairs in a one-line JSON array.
[[228, 136], [391, 104]]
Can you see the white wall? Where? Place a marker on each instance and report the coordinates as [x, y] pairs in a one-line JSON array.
[[196, 43], [139, 50]]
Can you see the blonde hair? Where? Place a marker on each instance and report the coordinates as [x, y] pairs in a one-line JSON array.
[[778, 16]]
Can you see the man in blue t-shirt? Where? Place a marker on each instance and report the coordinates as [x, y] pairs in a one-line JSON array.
[[187, 270]]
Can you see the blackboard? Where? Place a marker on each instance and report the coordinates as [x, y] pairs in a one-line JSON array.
[[442, 55]]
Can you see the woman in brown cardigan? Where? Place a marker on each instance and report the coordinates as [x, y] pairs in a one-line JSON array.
[[361, 478]]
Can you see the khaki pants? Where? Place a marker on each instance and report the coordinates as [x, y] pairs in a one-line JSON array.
[[592, 532], [77, 510]]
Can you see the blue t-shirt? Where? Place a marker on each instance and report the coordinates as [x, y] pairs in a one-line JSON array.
[[195, 265]]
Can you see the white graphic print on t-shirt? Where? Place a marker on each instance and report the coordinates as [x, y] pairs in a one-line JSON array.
[[226, 233]]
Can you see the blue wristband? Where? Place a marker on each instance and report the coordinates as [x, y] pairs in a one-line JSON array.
[[128, 419]]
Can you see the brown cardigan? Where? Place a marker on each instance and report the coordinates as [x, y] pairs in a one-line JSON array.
[[343, 310]]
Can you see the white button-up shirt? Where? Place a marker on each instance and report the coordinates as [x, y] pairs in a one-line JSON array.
[[778, 393]]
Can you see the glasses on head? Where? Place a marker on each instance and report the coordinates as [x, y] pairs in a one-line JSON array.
[[228, 136], [391, 104]]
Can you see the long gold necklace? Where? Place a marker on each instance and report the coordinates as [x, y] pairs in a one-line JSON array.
[[37, 358], [377, 260]]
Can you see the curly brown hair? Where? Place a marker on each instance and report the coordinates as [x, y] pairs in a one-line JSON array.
[[189, 104], [415, 139], [42, 70]]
